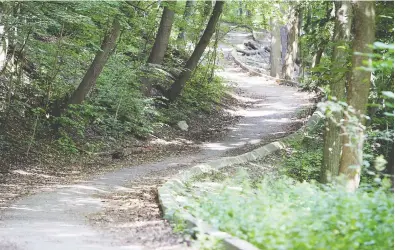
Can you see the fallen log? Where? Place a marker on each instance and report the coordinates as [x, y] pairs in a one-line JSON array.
[[248, 52], [253, 52], [256, 73], [251, 44]]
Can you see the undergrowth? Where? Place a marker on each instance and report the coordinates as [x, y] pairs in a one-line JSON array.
[[284, 214], [201, 95], [115, 111], [295, 211], [302, 160]]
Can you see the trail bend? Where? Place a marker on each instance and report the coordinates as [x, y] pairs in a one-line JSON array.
[[56, 218]]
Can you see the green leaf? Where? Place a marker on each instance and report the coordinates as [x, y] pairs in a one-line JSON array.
[[380, 45], [388, 94]]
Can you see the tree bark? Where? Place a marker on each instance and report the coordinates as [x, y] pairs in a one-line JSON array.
[[160, 45], [284, 45], [187, 14], [240, 12], [275, 51], [192, 62], [97, 65], [299, 55], [340, 59], [358, 92], [8, 37], [3, 38], [292, 45], [317, 57]]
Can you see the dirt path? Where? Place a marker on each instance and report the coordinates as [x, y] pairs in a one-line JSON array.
[[118, 210]]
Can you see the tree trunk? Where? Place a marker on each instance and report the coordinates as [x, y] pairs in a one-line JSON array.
[[275, 51], [308, 20], [160, 45], [317, 57], [390, 166], [3, 39], [292, 46], [192, 62], [358, 92], [299, 55], [340, 59], [97, 65], [284, 45], [187, 14], [8, 37], [240, 12]]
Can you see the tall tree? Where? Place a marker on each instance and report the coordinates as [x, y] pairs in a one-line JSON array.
[[299, 54], [318, 55], [97, 64], [3, 38], [9, 35], [161, 42], [358, 91], [275, 51], [340, 59], [292, 44], [192, 62]]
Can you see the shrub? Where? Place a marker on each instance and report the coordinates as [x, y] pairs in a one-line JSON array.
[[281, 214], [201, 94], [115, 108], [304, 158], [118, 92]]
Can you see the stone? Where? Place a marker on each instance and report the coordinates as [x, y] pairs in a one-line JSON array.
[[183, 125]]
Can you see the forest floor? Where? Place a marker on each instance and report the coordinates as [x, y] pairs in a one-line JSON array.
[[28, 175], [115, 207]]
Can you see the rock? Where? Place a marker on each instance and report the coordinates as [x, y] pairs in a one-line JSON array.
[[183, 125]]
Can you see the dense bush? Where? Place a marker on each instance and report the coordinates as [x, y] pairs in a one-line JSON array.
[[303, 161], [201, 94], [118, 92], [303, 158], [115, 108], [281, 214]]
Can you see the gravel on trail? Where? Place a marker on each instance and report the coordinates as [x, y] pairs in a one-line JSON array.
[[119, 210]]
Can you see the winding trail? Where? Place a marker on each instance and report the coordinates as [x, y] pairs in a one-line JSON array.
[[56, 218]]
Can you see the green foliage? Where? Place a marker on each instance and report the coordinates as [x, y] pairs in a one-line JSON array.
[[318, 30], [385, 21], [303, 159], [201, 90], [320, 77], [380, 128], [254, 14], [201, 94], [118, 93], [116, 107], [381, 97], [282, 214], [208, 242], [67, 144], [54, 45]]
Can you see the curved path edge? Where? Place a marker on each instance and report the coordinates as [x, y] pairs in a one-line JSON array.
[[168, 193]]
